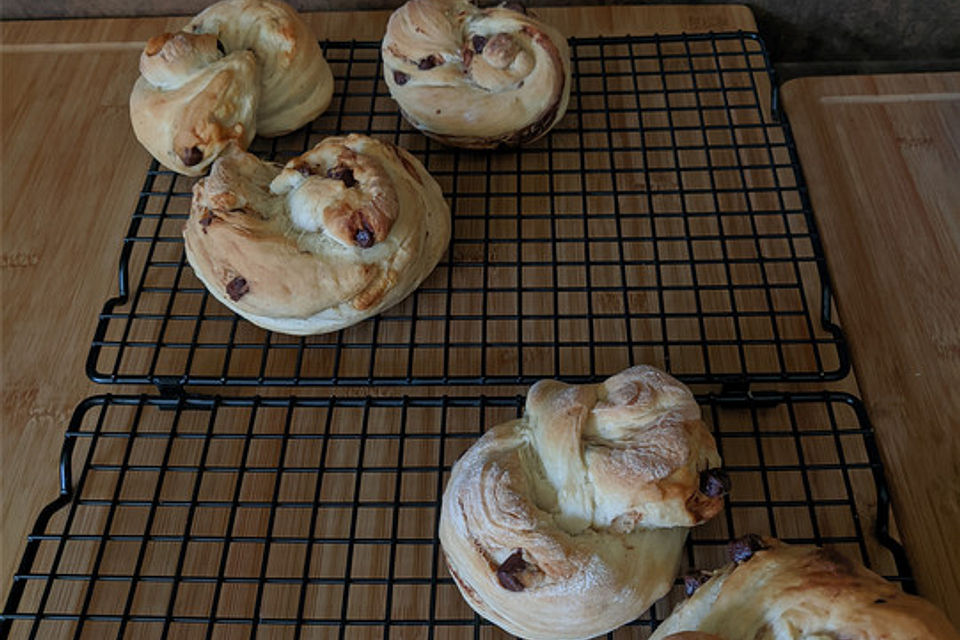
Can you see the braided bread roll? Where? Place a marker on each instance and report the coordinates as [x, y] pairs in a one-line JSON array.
[[570, 521], [341, 233], [775, 591], [476, 78], [238, 69]]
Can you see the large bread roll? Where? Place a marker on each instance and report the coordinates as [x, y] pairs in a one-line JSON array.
[[476, 78], [570, 521], [341, 233]]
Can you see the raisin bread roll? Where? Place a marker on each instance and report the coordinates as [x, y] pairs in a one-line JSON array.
[[476, 78], [775, 591], [341, 233], [570, 521], [238, 69]]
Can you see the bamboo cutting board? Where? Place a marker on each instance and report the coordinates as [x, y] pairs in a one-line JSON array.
[[81, 167], [71, 173], [881, 155]]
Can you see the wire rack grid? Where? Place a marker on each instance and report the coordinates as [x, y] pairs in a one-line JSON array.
[[664, 221], [317, 518]]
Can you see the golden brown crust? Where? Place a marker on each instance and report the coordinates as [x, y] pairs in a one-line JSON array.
[[786, 592], [277, 246], [155, 44], [477, 78], [239, 68], [570, 521], [190, 101], [296, 84]]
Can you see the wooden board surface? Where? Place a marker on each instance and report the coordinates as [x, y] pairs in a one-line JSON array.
[[571, 21], [881, 156], [71, 174]]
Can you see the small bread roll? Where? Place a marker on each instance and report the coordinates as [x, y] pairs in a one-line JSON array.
[[775, 591], [240, 68], [570, 521], [476, 78], [341, 233]]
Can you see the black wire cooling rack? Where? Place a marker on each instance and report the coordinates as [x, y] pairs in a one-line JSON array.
[[663, 221], [317, 518]]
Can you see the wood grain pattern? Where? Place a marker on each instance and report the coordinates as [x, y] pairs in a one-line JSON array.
[[580, 21], [71, 173], [67, 153], [881, 156]]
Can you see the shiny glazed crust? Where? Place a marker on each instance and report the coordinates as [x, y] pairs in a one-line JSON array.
[[239, 68], [570, 521], [476, 78], [786, 592], [340, 234]]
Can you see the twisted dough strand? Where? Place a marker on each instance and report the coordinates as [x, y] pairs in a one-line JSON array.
[[238, 69], [296, 84], [570, 521]]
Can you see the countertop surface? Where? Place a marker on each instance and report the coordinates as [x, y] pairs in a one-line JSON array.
[[881, 155], [72, 171]]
